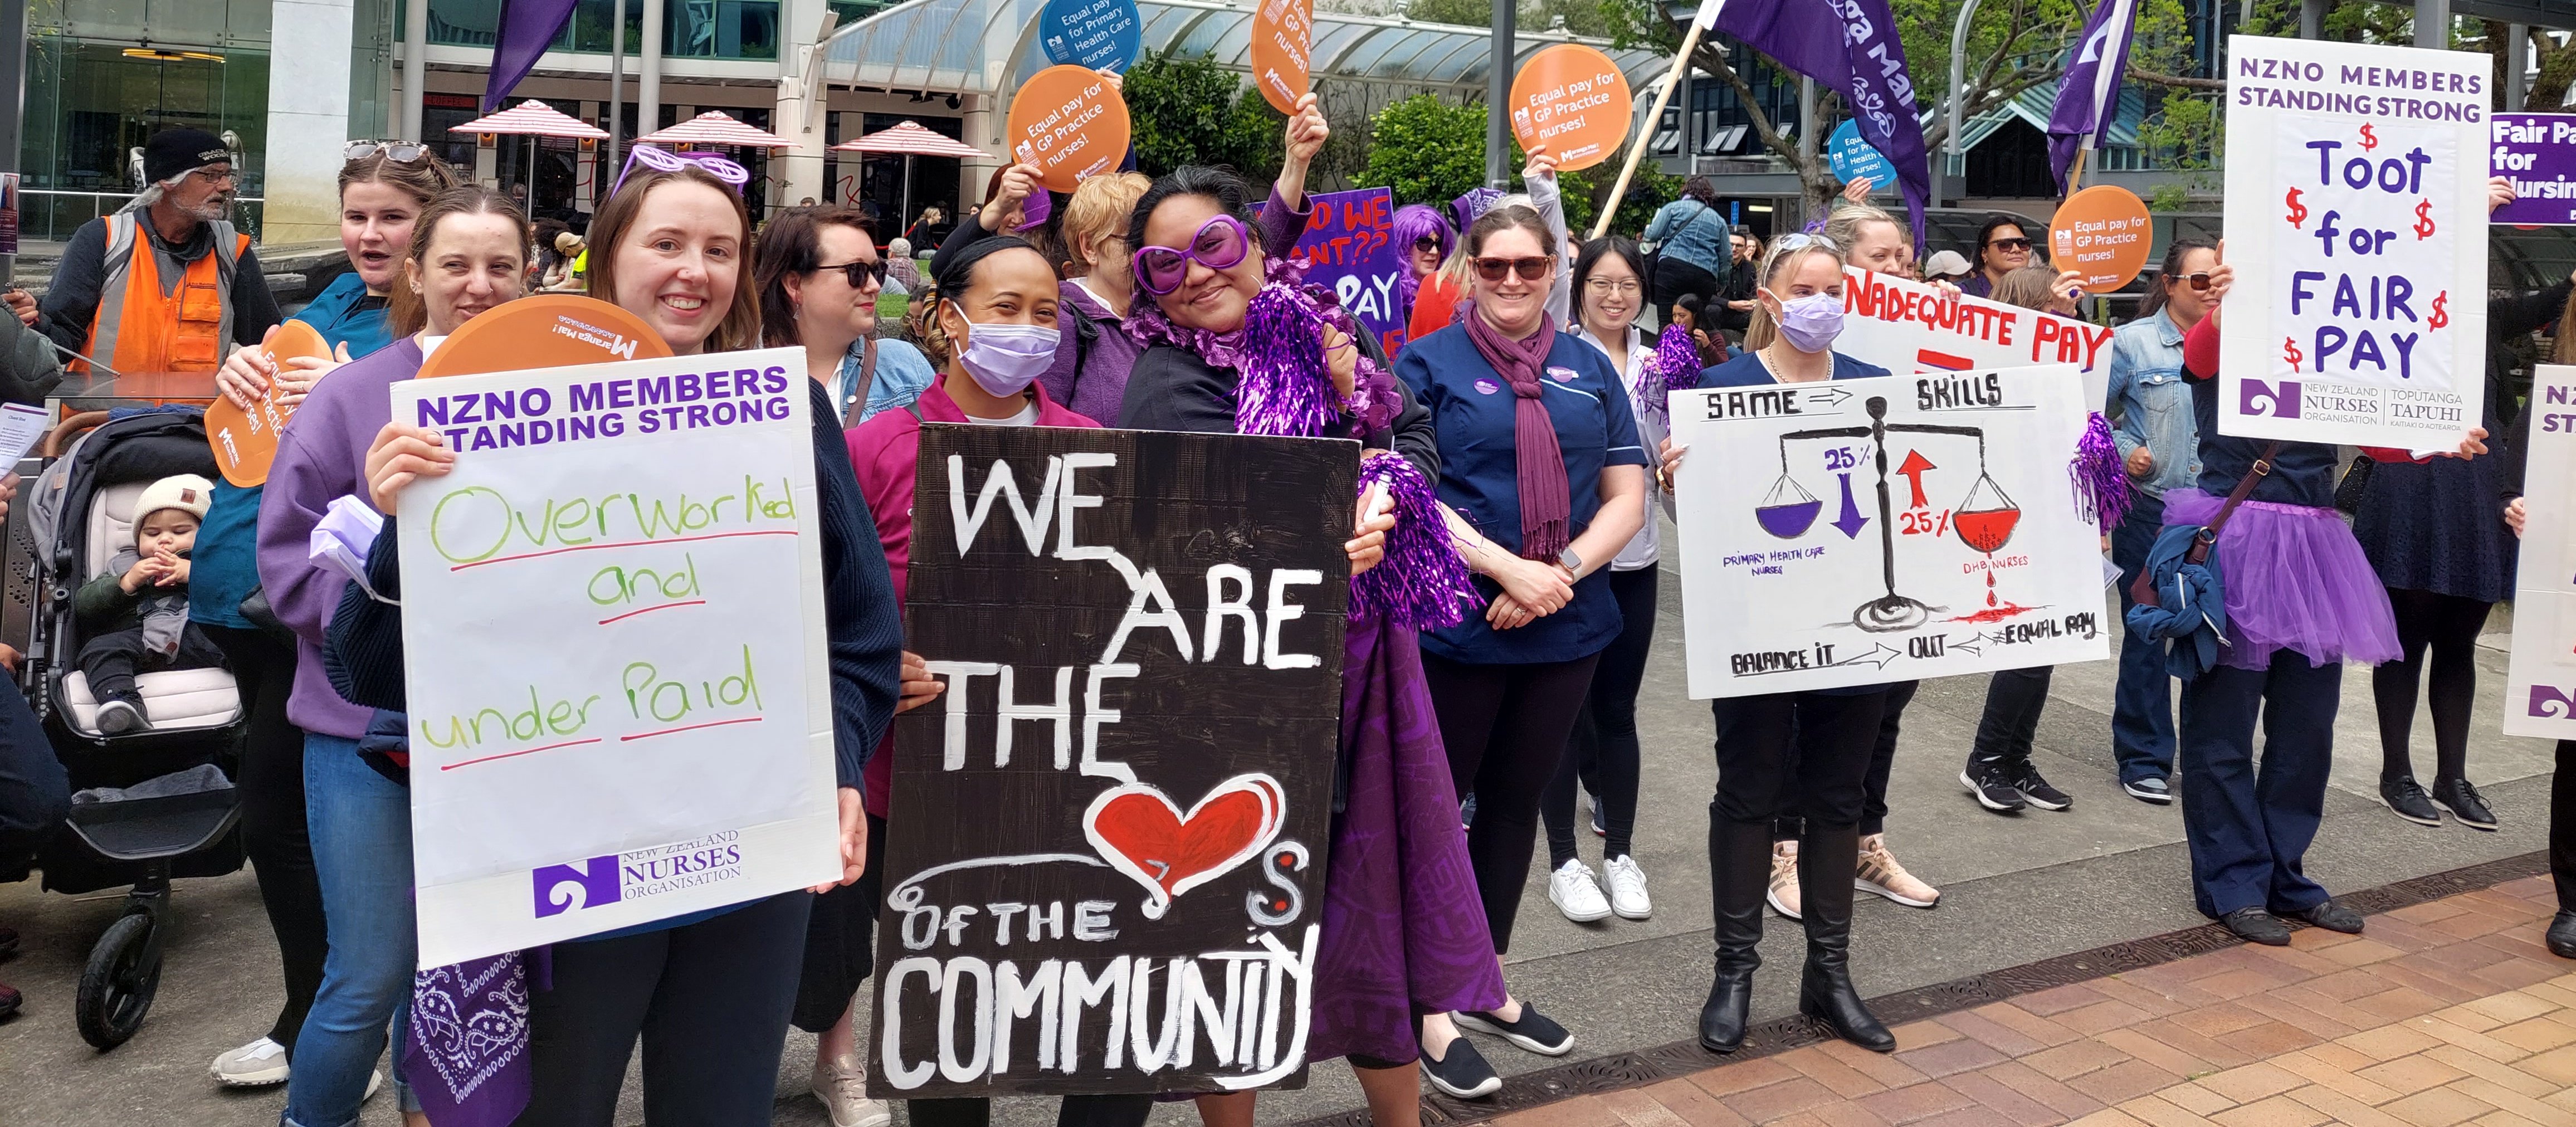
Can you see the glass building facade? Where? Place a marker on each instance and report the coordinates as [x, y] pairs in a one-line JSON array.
[[102, 75]]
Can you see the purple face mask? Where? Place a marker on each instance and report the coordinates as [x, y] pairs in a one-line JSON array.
[[1812, 322]]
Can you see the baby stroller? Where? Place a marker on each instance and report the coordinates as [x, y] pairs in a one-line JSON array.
[[152, 804]]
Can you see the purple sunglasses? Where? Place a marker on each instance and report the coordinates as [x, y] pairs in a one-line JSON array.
[[1220, 244], [662, 160]]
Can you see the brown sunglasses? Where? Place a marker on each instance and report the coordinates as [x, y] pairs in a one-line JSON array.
[[1530, 269], [2198, 280]]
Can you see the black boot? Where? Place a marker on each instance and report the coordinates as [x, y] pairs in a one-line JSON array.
[[1827, 860], [1739, 866]]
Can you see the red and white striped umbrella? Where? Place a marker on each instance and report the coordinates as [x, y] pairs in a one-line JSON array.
[[910, 139], [714, 128], [532, 117]]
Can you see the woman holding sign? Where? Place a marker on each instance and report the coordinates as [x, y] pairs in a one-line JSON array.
[[1807, 752]]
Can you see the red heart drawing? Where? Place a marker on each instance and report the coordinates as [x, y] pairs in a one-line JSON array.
[[1141, 832]]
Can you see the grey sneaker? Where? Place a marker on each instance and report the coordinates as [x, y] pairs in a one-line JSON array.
[[2150, 790], [117, 716], [255, 1065]]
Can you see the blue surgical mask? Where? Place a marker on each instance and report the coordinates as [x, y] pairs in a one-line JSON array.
[[1811, 323], [1005, 358]]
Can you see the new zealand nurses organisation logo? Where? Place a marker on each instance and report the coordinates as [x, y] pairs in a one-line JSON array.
[[2278, 399], [618, 877]]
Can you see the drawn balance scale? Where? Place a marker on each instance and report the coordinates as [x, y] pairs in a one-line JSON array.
[[1984, 520]]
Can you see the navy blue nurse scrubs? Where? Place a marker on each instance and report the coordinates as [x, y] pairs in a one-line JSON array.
[[1507, 699]]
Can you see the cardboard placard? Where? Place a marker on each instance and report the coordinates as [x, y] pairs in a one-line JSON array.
[[1349, 247], [1856, 532], [1852, 158], [245, 442], [2537, 151], [555, 330], [2356, 178], [2540, 685], [1071, 123], [1906, 326], [1093, 34], [1283, 36], [2104, 233], [1107, 837], [620, 705], [1573, 100]]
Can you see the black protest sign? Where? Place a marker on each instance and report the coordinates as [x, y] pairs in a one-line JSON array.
[[1105, 862]]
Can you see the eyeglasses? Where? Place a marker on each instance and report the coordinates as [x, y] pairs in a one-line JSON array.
[[2199, 280], [399, 152], [859, 272], [1626, 286], [2010, 244], [1530, 269], [1220, 244], [1427, 244], [734, 175]]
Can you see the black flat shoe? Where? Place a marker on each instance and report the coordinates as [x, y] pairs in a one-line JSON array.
[[1462, 1073], [2330, 916], [2254, 925], [2562, 935], [2405, 798], [1533, 1031], [2465, 803]]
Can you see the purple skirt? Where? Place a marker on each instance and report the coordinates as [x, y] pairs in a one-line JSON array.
[[1404, 932], [2296, 580]]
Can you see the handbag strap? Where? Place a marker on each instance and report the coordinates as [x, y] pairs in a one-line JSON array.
[[857, 398], [2143, 590]]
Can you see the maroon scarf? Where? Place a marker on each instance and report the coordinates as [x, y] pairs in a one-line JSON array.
[[1545, 508]]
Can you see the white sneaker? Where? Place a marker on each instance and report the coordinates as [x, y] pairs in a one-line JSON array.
[[255, 1065], [1574, 892], [1627, 888], [841, 1085], [375, 1080]]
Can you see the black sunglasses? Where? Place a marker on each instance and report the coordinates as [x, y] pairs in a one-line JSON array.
[[2011, 244], [859, 272], [1426, 244]]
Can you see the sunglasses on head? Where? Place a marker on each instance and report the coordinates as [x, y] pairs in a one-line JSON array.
[[2011, 244], [399, 152], [661, 160], [1530, 269], [859, 273], [1220, 244]]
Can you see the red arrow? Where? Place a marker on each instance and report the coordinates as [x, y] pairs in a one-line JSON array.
[[1912, 471]]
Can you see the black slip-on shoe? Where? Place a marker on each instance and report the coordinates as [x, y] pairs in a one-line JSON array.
[[2254, 925], [2330, 916], [1533, 1031], [1462, 1073]]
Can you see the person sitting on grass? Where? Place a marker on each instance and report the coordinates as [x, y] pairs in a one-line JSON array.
[[136, 611]]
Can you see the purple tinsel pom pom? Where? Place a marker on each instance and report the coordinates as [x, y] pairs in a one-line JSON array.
[[1286, 388], [1675, 367], [2100, 481], [1422, 584]]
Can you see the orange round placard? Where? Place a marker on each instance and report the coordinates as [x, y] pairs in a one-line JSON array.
[[556, 330], [245, 442], [2103, 233], [1283, 42], [1071, 123], [1573, 100]]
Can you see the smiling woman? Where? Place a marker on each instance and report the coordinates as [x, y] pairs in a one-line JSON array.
[[669, 247]]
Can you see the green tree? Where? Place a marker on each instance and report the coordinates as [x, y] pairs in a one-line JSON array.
[[1430, 152], [1189, 110]]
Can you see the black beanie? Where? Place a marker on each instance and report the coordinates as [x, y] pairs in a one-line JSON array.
[[171, 152]]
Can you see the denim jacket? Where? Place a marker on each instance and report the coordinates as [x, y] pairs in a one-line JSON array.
[[902, 372], [2151, 403]]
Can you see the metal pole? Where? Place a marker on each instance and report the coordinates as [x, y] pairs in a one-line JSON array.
[[415, 72], [2312, 19], [907, 191], [1958, 93], [616, 90], [2517, 74], [1807, 131], [2433, 24], [648, 77], [1498, 93]]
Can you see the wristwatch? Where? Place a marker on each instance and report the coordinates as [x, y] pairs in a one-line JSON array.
[[1572, 563]]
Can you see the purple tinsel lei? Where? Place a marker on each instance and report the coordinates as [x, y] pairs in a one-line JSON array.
[[2101, 484], [1674, 367], [1422, 584]]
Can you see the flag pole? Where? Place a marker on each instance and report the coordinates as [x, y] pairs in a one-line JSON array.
[[1706, 18], [2075, 175]]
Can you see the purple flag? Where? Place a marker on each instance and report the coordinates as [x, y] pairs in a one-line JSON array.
[[527, 28], [2089, 96], [1852, 47]]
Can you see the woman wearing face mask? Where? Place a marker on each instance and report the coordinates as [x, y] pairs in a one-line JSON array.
[[467, 254], [818, 275], [380, 197], [1805, 751], [1543, 473], [1400, 936]]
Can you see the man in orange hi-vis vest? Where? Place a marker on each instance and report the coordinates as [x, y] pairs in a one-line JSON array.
[[165, 284]]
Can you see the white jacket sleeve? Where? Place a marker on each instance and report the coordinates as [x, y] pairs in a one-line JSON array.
[[1551, 208]]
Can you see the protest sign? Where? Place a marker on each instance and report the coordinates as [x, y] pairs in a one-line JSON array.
[[612, 610], [1071, 123], [1573, 100], [1105, 862], [2103, 233], [1852, 158], [245, 441], [2355, 175], [1907, 326], [1349, 248], [2540, 685], [1855, 532], [2537, 151], [1283, 35], [1094, 34]]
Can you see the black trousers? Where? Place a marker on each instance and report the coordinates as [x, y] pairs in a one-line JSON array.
[[2447, 625], [840, 938], [35, 794], [1673, 278], [1803, 754], [1076, 1111], [1873, 780], [2014, 699], [2562, 826], [1604, 754], [710, 999], [1505, 727], [112, 659], [272, 817]]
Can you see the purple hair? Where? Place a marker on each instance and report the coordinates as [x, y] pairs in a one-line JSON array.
[[1414, 221]]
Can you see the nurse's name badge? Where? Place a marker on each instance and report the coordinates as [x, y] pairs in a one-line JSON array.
[[1487, 387]]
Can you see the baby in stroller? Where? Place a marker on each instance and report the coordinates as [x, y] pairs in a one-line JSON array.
[[136, 611]]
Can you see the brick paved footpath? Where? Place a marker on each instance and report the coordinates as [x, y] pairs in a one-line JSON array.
[[2447, 1012]]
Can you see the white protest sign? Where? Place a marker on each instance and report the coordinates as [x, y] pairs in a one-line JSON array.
[[1855, 532], [1907, 326], [2540, 685], [613, 617], [2356, 176]]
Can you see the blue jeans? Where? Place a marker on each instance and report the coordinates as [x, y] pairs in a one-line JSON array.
[[2142, 725], [35, 795], [361, 827], [2249, 828]]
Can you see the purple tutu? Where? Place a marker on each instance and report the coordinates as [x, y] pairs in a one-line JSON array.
[[2296, 580]]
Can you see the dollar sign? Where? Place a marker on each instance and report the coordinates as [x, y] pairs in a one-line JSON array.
[[2440, 316], [2368, 140], [2298, 211], [2290, 348], [2423, 219]]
